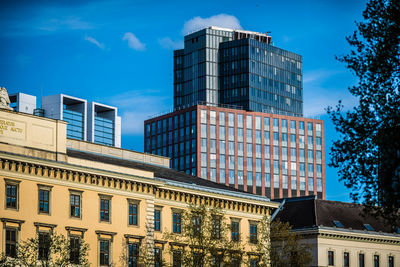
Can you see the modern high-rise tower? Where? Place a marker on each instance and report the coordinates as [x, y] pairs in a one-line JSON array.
[[239, 69], [237, 119]]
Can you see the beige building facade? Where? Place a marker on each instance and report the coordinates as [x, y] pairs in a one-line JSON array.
[[339, 234], [114, 199]]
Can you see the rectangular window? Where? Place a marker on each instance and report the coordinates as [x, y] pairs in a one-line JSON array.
[[239, 120], [74, 249], [11, 195], [376, 260], [133, 254], [253, 233], [361, 260], [346, 259], [104, 252], [11, 242], [331, 261], [157, 219], [266, 124], [157, 257], [44, 201], [176, 222], [222, 132], [235, 231], [213, 117], [391, 261], [133, 214], [231, 119], [249, 122], [44, 245], [203, 116], [105, 210], [216, 227], [75, 205], [176, 258], [222, 118]]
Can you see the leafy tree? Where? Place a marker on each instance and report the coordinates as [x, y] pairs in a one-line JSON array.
[[207, 236], [367, 153], [58, 253], [286, 248]]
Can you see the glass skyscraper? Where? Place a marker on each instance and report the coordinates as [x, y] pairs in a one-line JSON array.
[[238, 117], [239, 69]]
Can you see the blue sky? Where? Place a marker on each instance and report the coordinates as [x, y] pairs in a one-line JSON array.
[[120, 52]]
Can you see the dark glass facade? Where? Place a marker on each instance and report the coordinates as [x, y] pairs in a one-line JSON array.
[[238, 69]]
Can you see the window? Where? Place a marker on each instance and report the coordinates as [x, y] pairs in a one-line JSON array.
[[338, 224], [104, 252], [176, 222], [346, 260], [44, 199], [74, 249], [157, 257], [44, 245], [75, 204], [133, 213], [376, 260], [105, 202], [12, 194], [368, 227], [176, 258], [222, 118], [361, 260], [133, 254], [157, 219], [196, 225], [253, 233], [253, 263], [235, 230], [216, 227], [331, 258], [11, 242], [198, 259], [391, 261]]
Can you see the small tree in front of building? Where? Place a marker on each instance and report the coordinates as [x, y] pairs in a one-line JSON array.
[[205, 239], [50, 249], [285, 247]]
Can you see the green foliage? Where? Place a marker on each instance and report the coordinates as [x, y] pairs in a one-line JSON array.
[[209, 244], [287, 248], [59, 252], [206, 235], [367, 153]]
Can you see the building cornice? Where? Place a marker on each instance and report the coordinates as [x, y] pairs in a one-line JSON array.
[[349, 234], [42, 170]]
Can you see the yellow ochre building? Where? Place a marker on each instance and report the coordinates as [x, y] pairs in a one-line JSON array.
[[112, 198]]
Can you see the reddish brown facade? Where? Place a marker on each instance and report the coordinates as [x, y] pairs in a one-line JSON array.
[[252, 140]]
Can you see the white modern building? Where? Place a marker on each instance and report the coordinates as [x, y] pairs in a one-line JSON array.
[[23, 102]]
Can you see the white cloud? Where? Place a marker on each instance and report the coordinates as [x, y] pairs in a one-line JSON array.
[[95, 42], [137, 106], [134, 42], [220, 20], [168, 43]]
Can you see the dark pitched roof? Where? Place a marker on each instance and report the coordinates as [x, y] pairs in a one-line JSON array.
[[311, 212], [159, 171]]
